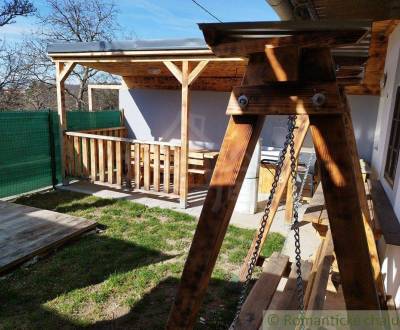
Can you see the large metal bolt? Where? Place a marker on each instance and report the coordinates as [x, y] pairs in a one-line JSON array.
[[243, 101], [319, 99]]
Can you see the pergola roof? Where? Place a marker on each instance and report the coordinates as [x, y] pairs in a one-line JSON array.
[[142, 64], [127, 45]]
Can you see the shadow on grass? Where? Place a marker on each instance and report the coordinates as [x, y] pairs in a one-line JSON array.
[[88, 262], [152, 311], [69, 204]]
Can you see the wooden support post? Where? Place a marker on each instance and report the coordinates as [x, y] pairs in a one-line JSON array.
[[338, 180], [237, 148], [62, 72], [376, 267], [302, 125], [185, 78], [184, 161]]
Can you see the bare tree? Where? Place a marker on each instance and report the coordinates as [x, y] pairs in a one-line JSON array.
[[10, 9], [11, 62], [73, 21]]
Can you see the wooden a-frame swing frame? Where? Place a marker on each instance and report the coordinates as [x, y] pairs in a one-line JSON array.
[[281, 80]]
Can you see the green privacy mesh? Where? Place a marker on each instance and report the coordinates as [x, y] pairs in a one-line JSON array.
[[30, 146], [25, 152], [81, 120]]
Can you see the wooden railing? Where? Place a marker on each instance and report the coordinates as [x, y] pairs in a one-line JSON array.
[[122, 161], [110, 131]]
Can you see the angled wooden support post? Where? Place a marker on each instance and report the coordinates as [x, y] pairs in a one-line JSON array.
[[327, 119], [239, 142], [302, 125], [337, 155], [62, 72]]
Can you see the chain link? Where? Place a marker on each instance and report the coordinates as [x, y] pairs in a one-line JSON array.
[[289, 142], [296, 226]]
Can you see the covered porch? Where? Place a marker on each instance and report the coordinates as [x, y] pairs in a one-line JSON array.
[[108, 155]]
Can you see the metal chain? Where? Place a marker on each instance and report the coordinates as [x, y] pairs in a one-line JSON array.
[[296, 227], [291, 124]]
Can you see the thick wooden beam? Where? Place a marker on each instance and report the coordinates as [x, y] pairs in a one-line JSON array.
[[338, 179], [245, 47], [302, 125], [362, 196], [62, 72], [177, 73], [237, 148], [184, 159], [285, 99]]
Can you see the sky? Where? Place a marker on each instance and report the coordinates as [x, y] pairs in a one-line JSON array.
[[161, 19]]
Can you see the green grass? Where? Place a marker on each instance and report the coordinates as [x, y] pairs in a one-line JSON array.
[[124, 277]]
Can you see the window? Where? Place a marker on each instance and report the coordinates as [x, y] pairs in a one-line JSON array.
[[394, 143]]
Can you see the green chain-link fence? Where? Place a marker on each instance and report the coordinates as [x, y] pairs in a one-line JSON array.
[[30, 146]]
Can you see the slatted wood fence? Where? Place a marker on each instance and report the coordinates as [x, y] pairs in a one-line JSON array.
[[121, 161]]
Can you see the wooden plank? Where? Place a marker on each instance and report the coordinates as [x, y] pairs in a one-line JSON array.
[[245, 47], [93, 160], [323, 264], [102, 161], [85, 157], [137, 166], [346, 221], [118, 161], [70, 155], [78, 155], [128, 165], [262, 292], [289, 198], [110, 161], [384, 214], [302, 124], [146, 166], [156, 168], [167, 169], [285, 99], [287, 299], [184, 157], [177, 170], [38, 231], [239, 142]]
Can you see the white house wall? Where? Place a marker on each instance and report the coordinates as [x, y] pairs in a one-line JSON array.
[[155, 115], [385, 114]]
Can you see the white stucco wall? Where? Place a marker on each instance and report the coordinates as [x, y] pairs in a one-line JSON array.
[[385, 114], [389, 254], [155, 115]]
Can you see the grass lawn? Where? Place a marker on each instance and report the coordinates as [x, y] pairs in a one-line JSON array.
[[124, 277]]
